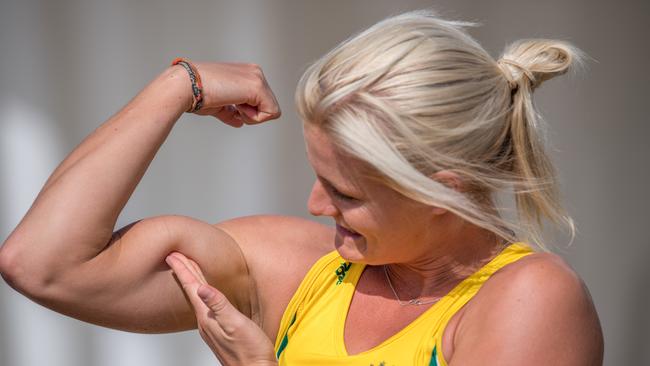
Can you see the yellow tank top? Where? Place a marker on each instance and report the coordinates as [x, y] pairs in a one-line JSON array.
[[311, 329]]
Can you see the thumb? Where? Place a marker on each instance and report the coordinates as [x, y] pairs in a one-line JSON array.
[[213, 299]]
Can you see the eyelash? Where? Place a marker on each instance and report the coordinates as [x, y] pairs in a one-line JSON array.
[[341, 195], [336, 193]]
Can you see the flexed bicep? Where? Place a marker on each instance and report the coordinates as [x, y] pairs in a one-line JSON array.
[[129, 286]]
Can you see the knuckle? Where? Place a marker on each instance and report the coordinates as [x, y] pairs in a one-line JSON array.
[[254, 68], [258, 81], [233, 326], [219, 305]]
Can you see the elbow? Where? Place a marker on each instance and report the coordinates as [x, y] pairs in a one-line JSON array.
[[15, 273], [7, 266], [12, 266]]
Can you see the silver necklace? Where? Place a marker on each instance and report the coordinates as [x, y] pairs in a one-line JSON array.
[[412, 301]]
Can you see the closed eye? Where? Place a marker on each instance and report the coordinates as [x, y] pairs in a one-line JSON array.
[[335, 192], [340, 195]]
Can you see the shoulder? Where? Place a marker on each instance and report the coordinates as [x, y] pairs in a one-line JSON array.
[[534, 275], [279, 251], [282, 230], [279, 245], [533, 311]]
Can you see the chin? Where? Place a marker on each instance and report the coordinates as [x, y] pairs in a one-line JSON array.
[[350, 250]]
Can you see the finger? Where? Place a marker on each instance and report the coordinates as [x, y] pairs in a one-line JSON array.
[[185, 276], [197, 271], [247, 111], [191, 266], [188, 281], [262, 102], [268, 107], [217, 302], [229, 115]]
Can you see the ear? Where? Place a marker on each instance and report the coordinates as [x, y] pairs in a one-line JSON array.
[[450, 180]]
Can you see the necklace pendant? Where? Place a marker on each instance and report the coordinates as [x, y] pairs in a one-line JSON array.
[[415, 302]]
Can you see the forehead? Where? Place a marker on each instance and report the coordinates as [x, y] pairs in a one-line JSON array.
[[319, 145], [329, 161], [347, 172]]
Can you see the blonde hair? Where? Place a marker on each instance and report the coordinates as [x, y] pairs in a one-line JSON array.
[[415, 94]]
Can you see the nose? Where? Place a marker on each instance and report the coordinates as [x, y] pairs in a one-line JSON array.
[[320, 203]]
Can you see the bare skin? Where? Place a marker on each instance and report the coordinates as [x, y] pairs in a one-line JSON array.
[[428, 252], [65, 256]]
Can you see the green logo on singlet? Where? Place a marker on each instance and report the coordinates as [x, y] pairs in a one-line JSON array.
[[341, 271]]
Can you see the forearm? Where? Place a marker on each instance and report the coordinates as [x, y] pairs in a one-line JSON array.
[[74, 215], [64, 253]]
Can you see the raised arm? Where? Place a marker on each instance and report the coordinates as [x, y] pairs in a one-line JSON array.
[[64, 254]]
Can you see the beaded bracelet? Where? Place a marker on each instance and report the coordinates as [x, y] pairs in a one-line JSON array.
[[195, 78]]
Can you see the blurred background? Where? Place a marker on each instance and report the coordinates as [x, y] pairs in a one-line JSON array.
[[66, 66]]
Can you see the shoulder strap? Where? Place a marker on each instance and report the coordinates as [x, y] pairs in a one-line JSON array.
[[302, 293], [464, 292]]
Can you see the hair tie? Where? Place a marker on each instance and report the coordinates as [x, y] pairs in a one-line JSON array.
[[512, 82]]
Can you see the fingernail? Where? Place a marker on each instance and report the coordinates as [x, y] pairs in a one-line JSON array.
[[168, 259]]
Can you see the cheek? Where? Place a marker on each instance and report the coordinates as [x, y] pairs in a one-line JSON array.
[[401, 224], [371, 224], [360, 218]]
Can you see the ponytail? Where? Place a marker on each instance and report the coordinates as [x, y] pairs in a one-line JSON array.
[[526, 64], [415, 94]]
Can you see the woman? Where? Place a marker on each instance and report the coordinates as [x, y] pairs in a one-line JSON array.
[[412, 130]]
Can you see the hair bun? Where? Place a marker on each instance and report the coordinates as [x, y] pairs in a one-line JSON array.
[[533, 61]]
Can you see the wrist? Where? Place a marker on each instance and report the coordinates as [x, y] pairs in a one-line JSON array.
[[178, 83], [195, 81]]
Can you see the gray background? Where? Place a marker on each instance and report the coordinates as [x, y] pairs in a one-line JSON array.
[[66, 66]]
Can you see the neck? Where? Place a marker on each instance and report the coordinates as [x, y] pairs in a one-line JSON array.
[[438, 272]]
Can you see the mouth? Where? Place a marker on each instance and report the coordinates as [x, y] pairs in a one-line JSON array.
[[347, 232]]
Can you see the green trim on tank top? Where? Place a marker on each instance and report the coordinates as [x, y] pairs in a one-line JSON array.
[[434, 357], [285, 339]]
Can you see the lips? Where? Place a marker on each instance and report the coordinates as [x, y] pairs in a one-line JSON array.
[[347, 232]]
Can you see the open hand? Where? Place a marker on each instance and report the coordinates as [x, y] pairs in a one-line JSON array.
[[233, 338]]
